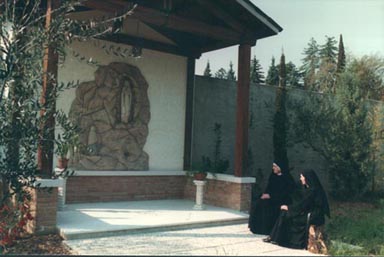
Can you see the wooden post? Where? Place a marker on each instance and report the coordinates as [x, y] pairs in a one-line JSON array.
[[189, 113], [50, 70], [242, 109]]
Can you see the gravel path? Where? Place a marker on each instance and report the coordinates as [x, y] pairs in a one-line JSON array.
[[230, 240]]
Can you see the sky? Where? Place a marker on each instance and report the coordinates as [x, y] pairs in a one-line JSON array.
[[361, 22]]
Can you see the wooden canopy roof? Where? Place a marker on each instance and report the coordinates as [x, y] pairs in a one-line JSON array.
[[193, 26]]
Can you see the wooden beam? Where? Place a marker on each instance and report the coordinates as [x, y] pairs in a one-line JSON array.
[[150, 44], [181, 24], [242, 111], [246, 36], [105, 6], [188, 136], [223, 15], [187, 42], [221, 44]]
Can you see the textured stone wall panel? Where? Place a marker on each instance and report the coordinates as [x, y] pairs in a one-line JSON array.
[[112, 113]]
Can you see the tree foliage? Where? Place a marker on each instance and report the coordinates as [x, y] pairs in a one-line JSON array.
[[338, 127], [231, 73], [218, 164], [319, 65], [311, 62], [24, 40], [221, 74], [257, 75], [370, 71], [207, 71], [341, 60], [338, 122], [293, 75], [328, 51], [280, 121], [273, 74], [325, 78]]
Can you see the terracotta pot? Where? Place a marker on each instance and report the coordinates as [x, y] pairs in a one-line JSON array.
[[62, 163], [200, 176]]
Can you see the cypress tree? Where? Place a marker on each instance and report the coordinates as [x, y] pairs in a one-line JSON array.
[[273, 74], [207, 71], [282, 72], [279, 121], [340, 56], [231, 73]]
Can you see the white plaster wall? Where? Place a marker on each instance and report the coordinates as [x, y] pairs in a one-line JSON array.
[[166, 78]]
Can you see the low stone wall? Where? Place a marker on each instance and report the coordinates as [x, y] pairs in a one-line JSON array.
[[110, 186]]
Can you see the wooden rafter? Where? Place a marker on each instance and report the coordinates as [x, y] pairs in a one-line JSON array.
[[150, 44], [177, 23], [171, 21], [223, 15], [187, 42], [105, 6], [220, 44]]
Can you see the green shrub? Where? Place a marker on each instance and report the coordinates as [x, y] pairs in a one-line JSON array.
[[338, 126]]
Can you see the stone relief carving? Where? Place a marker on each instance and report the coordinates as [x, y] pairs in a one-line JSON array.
[[113, 115]]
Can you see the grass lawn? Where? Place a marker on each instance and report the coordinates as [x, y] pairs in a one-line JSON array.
[[356, 228]]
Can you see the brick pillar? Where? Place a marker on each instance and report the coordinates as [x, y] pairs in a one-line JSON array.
[[245, 198], [225, 191], [44, 211]]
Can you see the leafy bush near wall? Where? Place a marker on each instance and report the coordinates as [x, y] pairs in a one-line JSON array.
[[339, 127], [218, 164]]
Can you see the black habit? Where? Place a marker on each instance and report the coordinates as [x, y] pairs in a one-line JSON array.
[[291, 227], [264, 212]]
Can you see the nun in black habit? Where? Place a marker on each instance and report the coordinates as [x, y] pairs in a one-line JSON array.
[[265, 209], [291, 228]]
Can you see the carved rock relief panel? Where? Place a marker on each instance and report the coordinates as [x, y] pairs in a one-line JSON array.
[[112, 113]]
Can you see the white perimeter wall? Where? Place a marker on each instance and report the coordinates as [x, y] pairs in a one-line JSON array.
[[166, 78]]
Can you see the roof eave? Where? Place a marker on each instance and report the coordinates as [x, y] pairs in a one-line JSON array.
[[260, 15]]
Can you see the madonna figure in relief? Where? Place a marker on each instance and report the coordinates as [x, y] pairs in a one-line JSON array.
[[113, 115]]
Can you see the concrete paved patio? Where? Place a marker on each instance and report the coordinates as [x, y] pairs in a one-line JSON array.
[[161, 227], [105, 219]]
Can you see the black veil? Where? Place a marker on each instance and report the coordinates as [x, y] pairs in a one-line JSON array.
[[312, 180]]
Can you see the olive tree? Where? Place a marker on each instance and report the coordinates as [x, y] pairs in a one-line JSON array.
[[27, 33]]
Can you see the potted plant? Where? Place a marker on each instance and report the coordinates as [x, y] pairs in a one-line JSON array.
[[67, 142], [200, 175], [201, 171], [62, 152], [197, 174]]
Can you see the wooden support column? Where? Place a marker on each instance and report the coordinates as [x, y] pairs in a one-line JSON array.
[[50, 69], [242, 109], [189, 113]]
